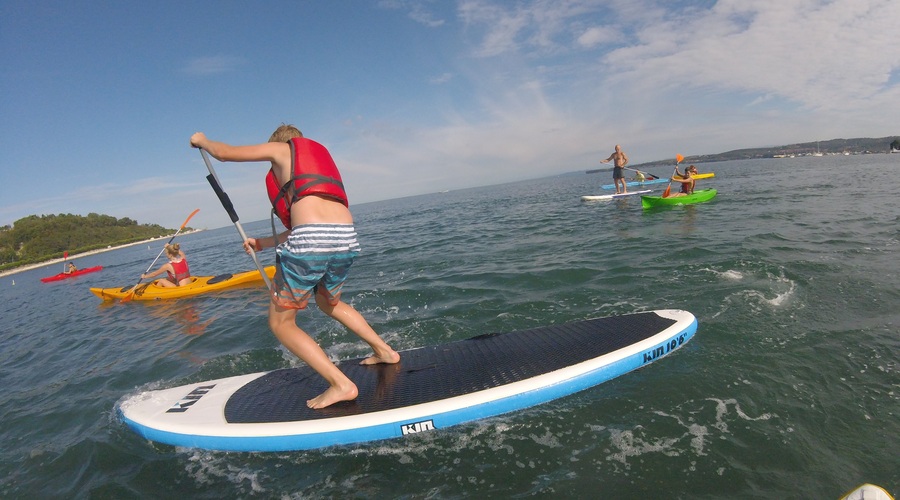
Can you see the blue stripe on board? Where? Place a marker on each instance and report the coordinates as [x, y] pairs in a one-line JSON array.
[[635, 183]]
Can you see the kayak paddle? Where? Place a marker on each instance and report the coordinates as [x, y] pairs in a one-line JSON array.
[[678, 159], [229, 207], [648, 174], [130, 294], [65, 258]]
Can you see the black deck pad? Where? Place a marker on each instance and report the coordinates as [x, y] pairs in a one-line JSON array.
[[441, 371], [219, 278]]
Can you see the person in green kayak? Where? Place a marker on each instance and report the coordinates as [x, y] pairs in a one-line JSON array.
[[687, 181], [179, 274]]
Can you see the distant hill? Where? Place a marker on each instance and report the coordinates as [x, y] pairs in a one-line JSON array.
[[860, 146], [39, 238]]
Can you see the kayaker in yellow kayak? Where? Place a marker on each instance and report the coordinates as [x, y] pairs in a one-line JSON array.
[[177, 268], [687, 181]]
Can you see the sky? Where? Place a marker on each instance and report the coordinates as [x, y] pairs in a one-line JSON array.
[[98, 99]]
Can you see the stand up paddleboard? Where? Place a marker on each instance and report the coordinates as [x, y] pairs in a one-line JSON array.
[[431, 388], [868, 492], [708, 175], [601, 197]]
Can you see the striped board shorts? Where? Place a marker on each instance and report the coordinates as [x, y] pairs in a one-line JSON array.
[[316, 258]]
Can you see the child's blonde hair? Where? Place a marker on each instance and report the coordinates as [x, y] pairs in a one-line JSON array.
[[285, 133], [173, 250]]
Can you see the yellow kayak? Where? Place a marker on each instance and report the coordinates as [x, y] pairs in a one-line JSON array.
[[198, 285], [708, 175]]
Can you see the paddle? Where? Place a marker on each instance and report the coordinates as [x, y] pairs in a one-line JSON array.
[[229, 207], [678, 159], [130, 294], [65, 258], [648, 174]]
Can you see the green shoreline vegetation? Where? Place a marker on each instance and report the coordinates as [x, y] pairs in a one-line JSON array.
[[36, 239]]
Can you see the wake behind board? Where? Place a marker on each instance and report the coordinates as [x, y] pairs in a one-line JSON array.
[[431, 388], [602, 197]]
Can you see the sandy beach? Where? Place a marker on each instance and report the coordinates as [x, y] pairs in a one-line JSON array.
[[83, 254]]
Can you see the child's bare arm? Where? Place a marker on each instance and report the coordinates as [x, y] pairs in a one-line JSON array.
[[276, 152]]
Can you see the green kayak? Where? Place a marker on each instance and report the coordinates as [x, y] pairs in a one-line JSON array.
[[697, 197]]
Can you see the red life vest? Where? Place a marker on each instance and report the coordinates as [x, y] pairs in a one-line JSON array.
[[181, 271], [314, 173], [687, 187]]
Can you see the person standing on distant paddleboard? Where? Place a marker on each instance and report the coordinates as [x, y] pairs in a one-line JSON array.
[[619, 161], [314, 255]]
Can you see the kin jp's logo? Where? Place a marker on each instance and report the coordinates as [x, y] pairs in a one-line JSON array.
[[186, 402], [415, 428], [664, 349]]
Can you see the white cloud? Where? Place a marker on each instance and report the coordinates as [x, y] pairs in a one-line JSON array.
[[597, 36], [417, 10], [212, 65], [823, 55], [443, 78]]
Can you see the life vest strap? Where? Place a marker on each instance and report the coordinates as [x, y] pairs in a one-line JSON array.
[[311, 180]]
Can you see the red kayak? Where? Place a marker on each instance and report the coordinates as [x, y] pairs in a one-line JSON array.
[[62, 276]]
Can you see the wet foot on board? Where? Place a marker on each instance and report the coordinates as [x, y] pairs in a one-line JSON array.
[[389, 358]]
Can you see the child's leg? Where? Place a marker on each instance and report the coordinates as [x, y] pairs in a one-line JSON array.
[[283, 324], [354, 321]]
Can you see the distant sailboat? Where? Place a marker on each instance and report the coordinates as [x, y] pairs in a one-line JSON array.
[[817, 153]]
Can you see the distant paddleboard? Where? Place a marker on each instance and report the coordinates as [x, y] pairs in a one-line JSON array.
[[602, 197], [868, 492], [708, 175], [431, 388]]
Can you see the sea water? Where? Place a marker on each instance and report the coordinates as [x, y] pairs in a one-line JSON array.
[[788, 390]]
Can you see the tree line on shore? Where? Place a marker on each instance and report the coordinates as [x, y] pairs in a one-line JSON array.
[[36, 238], [862, 145]]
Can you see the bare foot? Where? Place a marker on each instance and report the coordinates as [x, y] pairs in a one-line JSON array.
[[388, 358], [333, 395]]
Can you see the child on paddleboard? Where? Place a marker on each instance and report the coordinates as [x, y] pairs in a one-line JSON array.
[[313, 256]]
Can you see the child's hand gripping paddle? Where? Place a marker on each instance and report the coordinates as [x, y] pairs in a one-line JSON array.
[[678, 159]]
